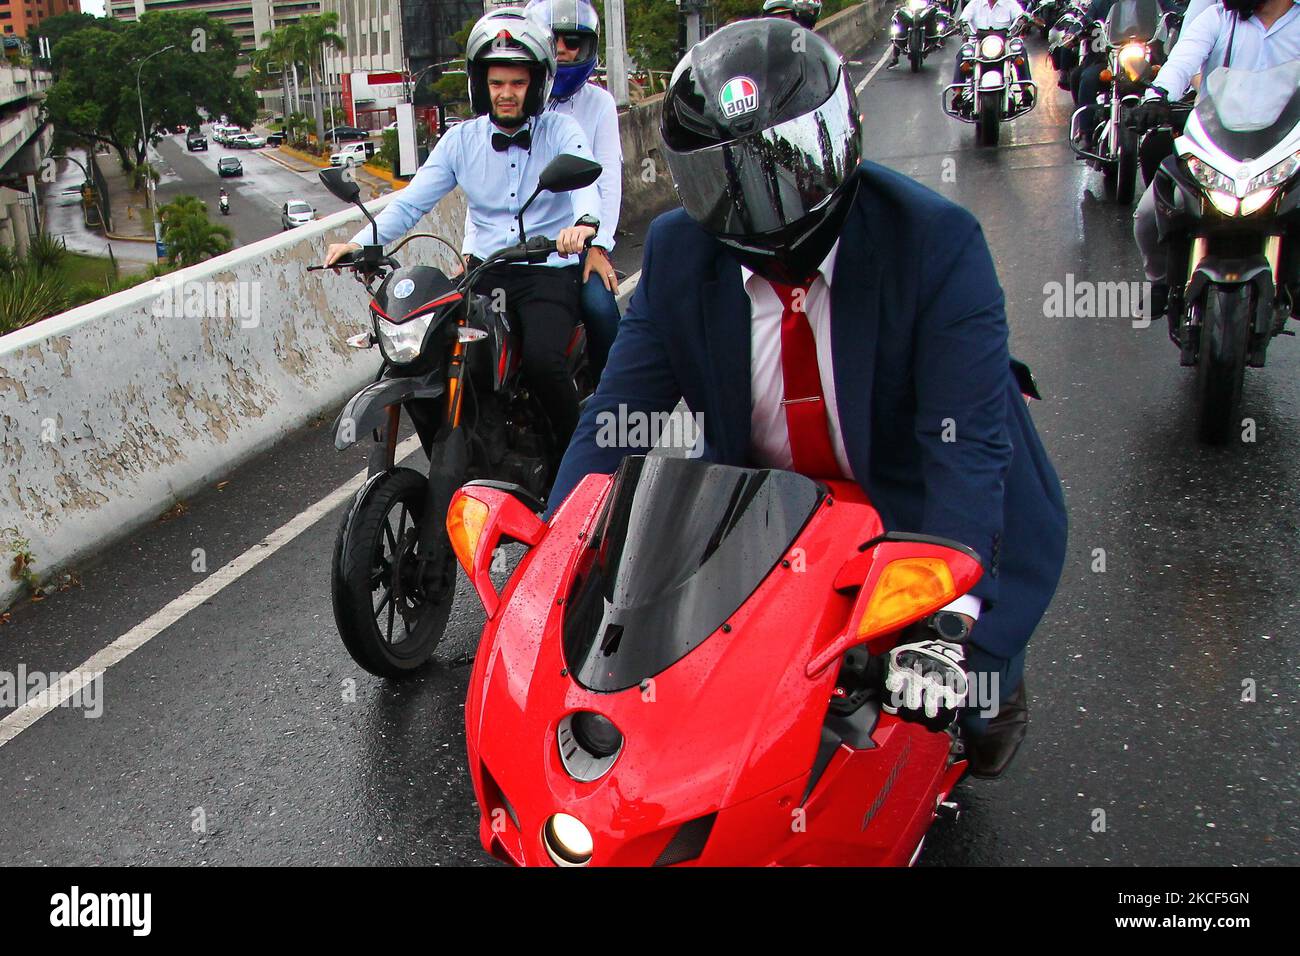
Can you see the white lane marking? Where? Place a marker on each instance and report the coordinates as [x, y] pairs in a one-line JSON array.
[[889, 47], [90, 670]]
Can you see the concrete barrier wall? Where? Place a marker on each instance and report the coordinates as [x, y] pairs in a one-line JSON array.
[[111, 412]]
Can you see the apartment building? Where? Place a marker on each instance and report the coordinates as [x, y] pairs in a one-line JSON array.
[[249, 19], [19, 17]]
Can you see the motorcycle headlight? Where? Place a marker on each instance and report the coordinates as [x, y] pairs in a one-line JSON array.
[[1226, 203], [905, 12], [1211, 178], [917, 5], [1133, 58], [968, 51], [991, 47], [1276, 175], [1257, 200], [401, 343]]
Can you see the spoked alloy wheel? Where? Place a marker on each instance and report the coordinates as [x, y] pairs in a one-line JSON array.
[[390, 608]]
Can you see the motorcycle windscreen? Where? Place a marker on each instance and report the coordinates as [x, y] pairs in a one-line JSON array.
[[1132, 20], [678, 548], [1248, 112]]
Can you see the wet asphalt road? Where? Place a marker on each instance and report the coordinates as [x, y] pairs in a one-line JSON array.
[[243, 709]]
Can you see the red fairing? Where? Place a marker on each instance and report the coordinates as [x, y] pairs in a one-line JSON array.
[[723, 741]]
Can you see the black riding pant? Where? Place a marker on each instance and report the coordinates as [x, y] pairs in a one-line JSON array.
[[541, 303]]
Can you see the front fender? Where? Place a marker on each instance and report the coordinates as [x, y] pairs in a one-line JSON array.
[[367, 409]]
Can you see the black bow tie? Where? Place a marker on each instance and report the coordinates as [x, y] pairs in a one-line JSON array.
[[503, 141]]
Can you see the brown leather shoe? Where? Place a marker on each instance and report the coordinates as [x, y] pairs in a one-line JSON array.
[[991, 752]]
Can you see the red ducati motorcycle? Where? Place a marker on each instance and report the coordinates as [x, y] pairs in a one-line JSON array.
[[684, 668]]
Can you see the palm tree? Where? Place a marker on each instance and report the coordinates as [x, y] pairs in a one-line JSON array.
[[313, 35], [190, 236], [279, 49]]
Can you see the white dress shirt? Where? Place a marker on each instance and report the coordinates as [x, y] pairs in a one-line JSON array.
[[497, 184], [1001, 15], [594, 110], [1203, 44], [769, 439]]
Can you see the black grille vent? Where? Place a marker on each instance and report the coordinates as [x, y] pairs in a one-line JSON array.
[[688, 842]]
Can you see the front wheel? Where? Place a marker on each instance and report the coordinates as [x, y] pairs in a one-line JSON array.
[[989, 123], [390, 608], [914, 58], [1221, 363]]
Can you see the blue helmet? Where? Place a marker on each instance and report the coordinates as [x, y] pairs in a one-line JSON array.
[[577, 19]]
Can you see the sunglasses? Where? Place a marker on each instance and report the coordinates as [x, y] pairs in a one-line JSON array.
[[571, 41]]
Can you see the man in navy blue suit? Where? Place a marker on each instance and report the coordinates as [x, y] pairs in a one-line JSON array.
[[829, 316]]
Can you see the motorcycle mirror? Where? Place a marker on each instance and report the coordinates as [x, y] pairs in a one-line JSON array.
[[563, 174], [341, 184], [567, 172], [340, 181]]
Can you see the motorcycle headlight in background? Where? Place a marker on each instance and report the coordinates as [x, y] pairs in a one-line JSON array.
[[1133, 58], [401, 343], [1275, 175], [991, 47]]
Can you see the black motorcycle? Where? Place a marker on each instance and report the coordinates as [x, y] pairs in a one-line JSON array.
[[1230, 200], [453, 364], [918, 28], [1099, 131]]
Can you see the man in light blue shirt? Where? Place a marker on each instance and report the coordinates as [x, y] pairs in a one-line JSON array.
[[496, 159]]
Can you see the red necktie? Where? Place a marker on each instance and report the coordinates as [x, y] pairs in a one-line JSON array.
[[805, 405]]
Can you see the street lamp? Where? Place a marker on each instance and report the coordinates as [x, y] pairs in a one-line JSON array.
[[144, 135]]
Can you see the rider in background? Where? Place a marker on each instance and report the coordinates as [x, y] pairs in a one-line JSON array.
[[1240, 34], [802, 12]]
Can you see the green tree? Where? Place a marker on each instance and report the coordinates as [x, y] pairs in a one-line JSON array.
[[95, 97], [190, 236], [55, 29]]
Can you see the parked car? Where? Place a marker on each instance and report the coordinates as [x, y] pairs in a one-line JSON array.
[[229, 166], [352, 154], [345, 134], [196, 141], [275, 139], [295, 213]]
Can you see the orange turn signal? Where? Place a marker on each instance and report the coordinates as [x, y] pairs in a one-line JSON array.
[[905, 586], [466, 519], [1106, 76], [967, 67]]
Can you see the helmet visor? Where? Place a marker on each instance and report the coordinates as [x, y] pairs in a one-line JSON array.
[[765, 181]]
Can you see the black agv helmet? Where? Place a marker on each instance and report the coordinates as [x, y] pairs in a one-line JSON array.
[[761, 132]]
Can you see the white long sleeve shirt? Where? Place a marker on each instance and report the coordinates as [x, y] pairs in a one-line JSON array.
[[769, 438], [1203, 45]]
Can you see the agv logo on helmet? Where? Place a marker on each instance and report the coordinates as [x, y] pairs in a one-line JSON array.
[[738, 96]]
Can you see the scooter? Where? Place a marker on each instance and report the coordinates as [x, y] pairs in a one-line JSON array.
[[224, 204], [685, 669], [454, 365]]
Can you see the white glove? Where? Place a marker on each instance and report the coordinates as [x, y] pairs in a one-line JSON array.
[[926, 683]]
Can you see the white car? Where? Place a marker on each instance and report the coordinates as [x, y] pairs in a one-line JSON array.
[[246, 141], [295, 213], [351, 154]]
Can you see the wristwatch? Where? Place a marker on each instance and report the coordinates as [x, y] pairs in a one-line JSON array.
[[949, 626], [591, 221]]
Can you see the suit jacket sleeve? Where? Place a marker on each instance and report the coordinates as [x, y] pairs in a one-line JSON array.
[[638, 378], [962, 375]]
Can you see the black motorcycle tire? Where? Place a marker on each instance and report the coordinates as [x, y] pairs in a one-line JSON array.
[[359, 563], [1126, 166], [914, 57], [988, 124], [1221, 363]]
